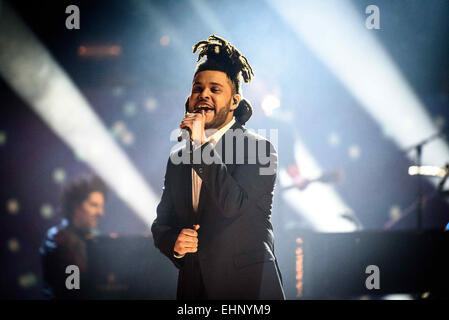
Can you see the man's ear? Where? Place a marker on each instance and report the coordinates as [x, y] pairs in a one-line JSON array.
[[235, 102]]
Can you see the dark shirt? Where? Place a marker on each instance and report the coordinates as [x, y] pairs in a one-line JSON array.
[[63, 245]]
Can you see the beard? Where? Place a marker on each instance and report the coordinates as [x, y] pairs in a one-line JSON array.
[[220, 118]]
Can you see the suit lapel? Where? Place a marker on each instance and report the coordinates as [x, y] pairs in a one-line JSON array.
[[202, 201], [188, 194], [221, 151]]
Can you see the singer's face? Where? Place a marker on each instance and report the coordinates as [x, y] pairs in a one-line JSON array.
[[212, 91], [89, 211]]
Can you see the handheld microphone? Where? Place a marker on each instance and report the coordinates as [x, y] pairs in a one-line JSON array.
[[187, 128]]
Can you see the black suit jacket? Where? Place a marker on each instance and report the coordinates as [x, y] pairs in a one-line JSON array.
[[235, 240]]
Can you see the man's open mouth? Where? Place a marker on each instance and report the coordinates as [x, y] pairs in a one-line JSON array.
[[206, 108]]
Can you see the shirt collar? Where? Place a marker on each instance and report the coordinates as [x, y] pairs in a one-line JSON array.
[[218, 134]]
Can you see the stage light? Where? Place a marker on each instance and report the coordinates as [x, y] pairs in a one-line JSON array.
[[397, 297], [82, 50], [334, 139], [432, 171], [270, 103], [59, 175], [47, 211], [425, 295], [395, 212], [319, 203], [118, 129], [13, 245], [118, 91], [37, 78], [151, 104], [354, 152], [164, 41], [336, 33], [99, 51], [121, 132], [128, 138], [114, 50], [12, 206], [299, 268], [129, 109], [111, 277], [27, 280], [2, 138]]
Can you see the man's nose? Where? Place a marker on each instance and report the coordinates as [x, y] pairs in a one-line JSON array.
[[205, 94]]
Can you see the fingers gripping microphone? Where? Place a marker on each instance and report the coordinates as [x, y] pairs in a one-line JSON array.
[[188, 131], [186, 128]]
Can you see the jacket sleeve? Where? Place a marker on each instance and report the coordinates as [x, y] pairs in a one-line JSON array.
[[250, 185], [164, 228]]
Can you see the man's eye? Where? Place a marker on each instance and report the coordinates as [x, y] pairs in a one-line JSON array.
[[215, 90], [196, 89]]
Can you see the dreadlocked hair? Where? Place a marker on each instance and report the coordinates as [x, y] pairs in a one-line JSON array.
[[222, 56]]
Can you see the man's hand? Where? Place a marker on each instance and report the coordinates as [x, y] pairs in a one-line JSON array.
[[187, 241], [195, 121]]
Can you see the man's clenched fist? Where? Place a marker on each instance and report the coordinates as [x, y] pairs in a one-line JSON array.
[[187, 241]]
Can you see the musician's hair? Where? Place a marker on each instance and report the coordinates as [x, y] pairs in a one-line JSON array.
[[222, 56], [77, 191]]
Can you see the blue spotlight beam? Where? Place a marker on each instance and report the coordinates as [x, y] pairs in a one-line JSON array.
[[30, 70], [336, 33]]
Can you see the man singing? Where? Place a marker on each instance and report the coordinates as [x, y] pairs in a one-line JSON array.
[[213, 220]]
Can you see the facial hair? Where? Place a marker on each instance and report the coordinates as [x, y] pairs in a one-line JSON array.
[[219, 118]]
